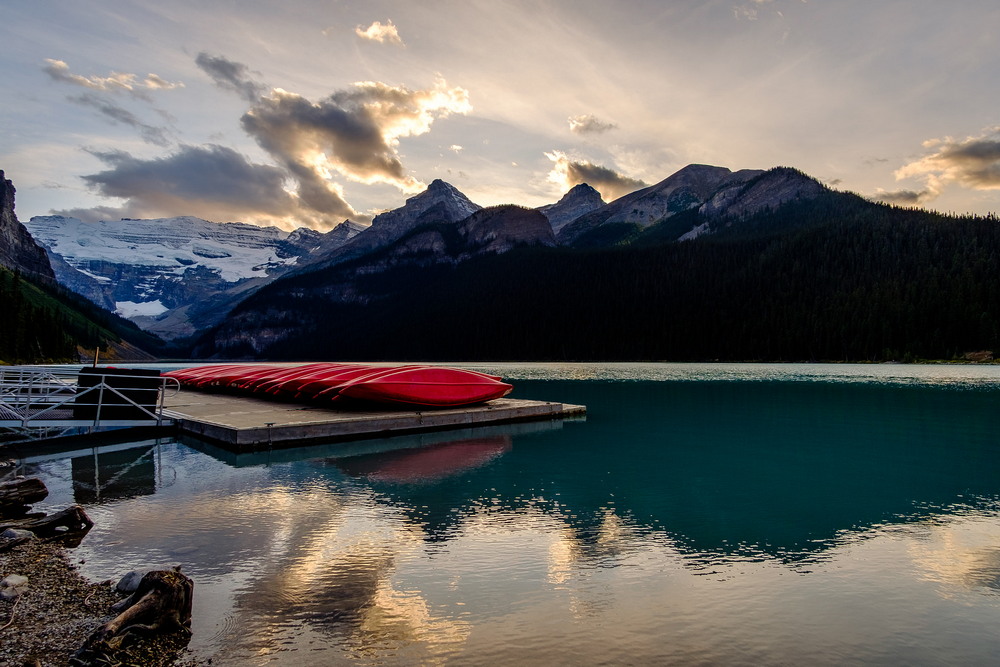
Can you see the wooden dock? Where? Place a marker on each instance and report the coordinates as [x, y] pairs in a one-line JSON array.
[[241, 423]]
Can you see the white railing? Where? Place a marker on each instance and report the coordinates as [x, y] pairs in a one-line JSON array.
[[90, 397]]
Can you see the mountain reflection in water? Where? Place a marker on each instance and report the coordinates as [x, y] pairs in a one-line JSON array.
[[664, 527]]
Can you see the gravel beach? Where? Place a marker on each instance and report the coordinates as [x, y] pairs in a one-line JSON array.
[[59, 609]]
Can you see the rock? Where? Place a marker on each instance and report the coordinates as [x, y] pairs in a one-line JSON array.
[[130, 581], [16, 534], [18, 250], [12, 586]]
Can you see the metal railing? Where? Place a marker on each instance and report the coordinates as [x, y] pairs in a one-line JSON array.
[[89, 398]]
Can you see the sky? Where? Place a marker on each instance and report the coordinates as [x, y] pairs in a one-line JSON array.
[[304, 113]]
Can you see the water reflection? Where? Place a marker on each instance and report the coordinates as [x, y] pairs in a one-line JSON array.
[[682, 522], [426, 464], [109, 476]]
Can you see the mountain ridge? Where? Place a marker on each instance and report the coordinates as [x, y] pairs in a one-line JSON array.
[[173, 275]]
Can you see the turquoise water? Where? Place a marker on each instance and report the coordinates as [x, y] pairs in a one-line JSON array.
[[700, 514]]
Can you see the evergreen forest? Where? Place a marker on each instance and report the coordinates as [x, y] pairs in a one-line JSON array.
[[46, 324]]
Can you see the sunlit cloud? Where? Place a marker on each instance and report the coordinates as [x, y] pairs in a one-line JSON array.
[[353, 132], [973, 162], [567, 172], [455, 148], [589, 124], [379, 32], [116, 82], [212, 182], [232, 76]]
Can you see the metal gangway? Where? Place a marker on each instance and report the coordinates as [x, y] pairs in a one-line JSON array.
[[41, 402]]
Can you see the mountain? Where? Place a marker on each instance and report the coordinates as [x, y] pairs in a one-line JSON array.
[[44, 322], [832, 277], [687, 203], [297, 304], [440, 203], [18, 250], [580, 200], [174, 276]]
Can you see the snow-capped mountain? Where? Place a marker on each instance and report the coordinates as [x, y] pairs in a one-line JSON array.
[[147, 269]]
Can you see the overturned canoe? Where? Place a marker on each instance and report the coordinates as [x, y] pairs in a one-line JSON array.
[[417, 385], [426, 386]]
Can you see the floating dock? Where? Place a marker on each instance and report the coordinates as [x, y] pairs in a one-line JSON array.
[[240, 423]]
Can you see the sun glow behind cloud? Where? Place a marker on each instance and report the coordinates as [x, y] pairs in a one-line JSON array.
[[567, 172], [820, 86], [354, 132]]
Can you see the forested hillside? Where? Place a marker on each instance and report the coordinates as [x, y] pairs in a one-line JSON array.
[[49, 324], [834, 278]]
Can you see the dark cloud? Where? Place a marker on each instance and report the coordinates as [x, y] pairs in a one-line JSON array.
[[903, 197], [212, 182], [973, 162], [588, 124], [353, 132], [608, 182], [232, 76], [119, 114]]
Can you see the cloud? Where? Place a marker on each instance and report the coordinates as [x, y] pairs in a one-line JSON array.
[[119, 114], [382, 33], [566, 173], [588, 124], [353, 132], [230, 75], [116, 82], [212, 182], [455, 148], [973, 162], [904, 197], [750, 11]]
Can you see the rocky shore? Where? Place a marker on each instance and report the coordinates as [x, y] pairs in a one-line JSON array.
[[58, 609]]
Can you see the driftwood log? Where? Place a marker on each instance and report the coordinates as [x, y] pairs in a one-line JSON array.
[[70, 525], [161, 604], [17, 494]]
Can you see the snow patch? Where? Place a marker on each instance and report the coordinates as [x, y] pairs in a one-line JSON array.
[[130, 309]]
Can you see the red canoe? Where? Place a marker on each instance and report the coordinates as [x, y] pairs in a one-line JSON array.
[[427, 386]]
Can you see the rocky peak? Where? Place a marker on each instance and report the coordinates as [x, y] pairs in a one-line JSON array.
[[449, 205], [18, 250], [580, 200], [440, 202]]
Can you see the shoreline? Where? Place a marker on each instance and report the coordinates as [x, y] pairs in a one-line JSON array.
[[60, 609]]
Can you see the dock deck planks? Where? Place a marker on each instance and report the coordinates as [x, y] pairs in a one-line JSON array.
[[242, 423]]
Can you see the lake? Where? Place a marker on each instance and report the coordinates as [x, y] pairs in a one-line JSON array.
[[764, 514]]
